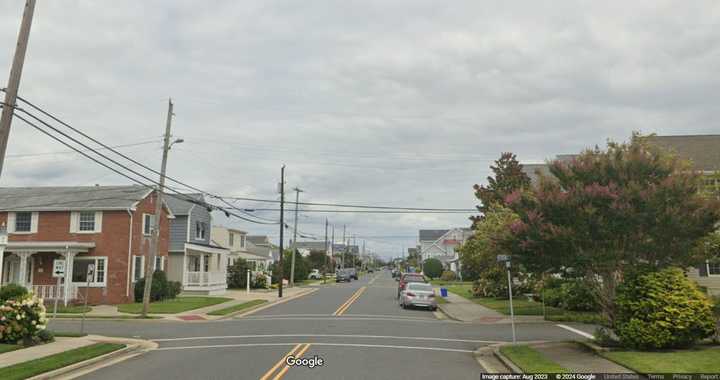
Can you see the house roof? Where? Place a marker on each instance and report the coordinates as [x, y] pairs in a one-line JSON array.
[[702, 150], [432, 235], [64, 198], [258, 239], [180, 206]]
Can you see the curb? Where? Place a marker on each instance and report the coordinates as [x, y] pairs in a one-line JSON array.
[[441, 307], [480, 356], [133, 348], [506, 361], [243, 313]]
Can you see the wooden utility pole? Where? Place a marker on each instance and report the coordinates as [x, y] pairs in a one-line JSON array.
[[282, 229], [344, 248], [14, 80], [332, 248], [155, 242], [294, 243], [327, 261]]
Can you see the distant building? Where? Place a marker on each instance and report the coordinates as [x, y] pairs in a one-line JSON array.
[[442, 245]]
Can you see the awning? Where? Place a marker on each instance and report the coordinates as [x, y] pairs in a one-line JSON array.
[[49, 246]]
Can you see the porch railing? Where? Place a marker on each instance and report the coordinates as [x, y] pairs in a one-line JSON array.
[[205, 278], [51, 292]]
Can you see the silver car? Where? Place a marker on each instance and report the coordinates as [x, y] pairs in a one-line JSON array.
[[418, 294]]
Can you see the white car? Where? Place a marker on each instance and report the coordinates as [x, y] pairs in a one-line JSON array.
[[314, 275]]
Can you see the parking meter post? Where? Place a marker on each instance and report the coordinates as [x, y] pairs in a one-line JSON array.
[[512, 313]]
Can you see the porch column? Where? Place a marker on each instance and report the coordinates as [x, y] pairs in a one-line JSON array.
[[23, 277], [2, 259], [202, 268], [69, 258]]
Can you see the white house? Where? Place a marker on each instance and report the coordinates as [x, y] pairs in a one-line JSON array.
[[442, 245]]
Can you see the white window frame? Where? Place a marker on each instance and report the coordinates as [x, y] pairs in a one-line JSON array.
[[242, 240], [707, 269], [231, 239], [162, 263], [135, 268], [200, 227], [12, 222], [75, 223], [147, 218], [93, 284]]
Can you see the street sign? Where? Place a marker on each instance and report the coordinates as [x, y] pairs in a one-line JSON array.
[[58, 268], [503, 258], [90, 271]]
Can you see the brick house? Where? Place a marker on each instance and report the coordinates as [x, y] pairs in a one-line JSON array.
[[68, 228]]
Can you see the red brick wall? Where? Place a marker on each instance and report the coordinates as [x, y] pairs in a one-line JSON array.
[[112, 242]]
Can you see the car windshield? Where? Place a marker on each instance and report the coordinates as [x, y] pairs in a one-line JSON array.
[[414, 278], [417, 286]]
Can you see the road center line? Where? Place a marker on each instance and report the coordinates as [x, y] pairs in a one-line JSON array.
[[286, 368], [315, 344], [327, 336], [576, 331], [279, 363], [349, 302]]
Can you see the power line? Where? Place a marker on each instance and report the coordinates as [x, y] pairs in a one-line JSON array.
[[72, 151], [354, 206], [373, 211]]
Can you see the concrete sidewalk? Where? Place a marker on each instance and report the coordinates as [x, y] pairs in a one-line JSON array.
[[577, 358], [464, 310]]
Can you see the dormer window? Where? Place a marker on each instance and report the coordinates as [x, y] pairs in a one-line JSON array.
[[200, 230]]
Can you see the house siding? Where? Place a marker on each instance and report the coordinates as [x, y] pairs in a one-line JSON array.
[[200, 214], [178, 233], [174, 266], [712, 283]]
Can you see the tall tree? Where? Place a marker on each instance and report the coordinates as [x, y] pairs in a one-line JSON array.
[[611, 210], [507, 178]]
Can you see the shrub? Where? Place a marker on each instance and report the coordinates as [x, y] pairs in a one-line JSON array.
[[716, 314], [432, 268], [492, 283], [661, 310], [260, 282], [158, 290], [570, 294], [174, 288], [12, 292], [237, 274], [448, 275], [605, 338], [22, 320]]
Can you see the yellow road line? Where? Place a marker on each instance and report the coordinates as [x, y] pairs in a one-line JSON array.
[[279, 363], [286, 368], [349, 302], [345, 303]]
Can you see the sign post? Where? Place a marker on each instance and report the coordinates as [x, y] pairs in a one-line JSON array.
[[90, 274], [59, 272], [506, 259]]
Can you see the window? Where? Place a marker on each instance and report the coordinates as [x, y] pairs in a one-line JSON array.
[[148, 222], [80, 270], [206, 266], [713, 268], [23, 221], [87, 221], [231, 239], [138, 266], [159, 263], [199, 231], [242, 241]]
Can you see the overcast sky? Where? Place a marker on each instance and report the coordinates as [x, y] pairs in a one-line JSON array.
[[397, 103]]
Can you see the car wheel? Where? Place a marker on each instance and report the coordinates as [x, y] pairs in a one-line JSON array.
[[434, 308]]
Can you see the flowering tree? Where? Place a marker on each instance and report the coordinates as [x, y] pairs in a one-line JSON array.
[[609, 210]]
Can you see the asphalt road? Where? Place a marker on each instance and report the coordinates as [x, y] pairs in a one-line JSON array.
[[357, 328]]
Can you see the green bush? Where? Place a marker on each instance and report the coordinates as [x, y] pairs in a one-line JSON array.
[[492, 283], [570, 294], [716, 314], [237, 274], [448, 275], [432, 268], [158, 290], [661, 310], [302, 268], [174, 288], [22, 320], [12, 292], [260, 282]]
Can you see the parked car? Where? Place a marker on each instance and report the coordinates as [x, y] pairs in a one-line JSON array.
[[370, 270], [395, 273], [315, 275], [353, 273], [406, 278], [342, 275], [418, 294]]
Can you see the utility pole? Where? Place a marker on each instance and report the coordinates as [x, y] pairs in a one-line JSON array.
[[155, 241], [282, 228], [14, 80], [332, 247], [326, 250], [344, 248], [294, 243]]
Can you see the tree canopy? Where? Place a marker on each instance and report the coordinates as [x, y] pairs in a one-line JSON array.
[[508, 177]]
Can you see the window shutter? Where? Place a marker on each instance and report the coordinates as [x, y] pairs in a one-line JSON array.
[[74, 222], [34, 222], [98, 221], [703, 270], [11, 222]]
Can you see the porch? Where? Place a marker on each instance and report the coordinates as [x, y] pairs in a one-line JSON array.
[[42, 268], [205, 269]]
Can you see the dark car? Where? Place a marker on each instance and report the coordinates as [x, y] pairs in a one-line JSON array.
[[353, 273], [405, 278], [342, 275]]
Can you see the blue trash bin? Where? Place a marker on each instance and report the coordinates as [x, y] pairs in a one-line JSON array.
[[443, 292]]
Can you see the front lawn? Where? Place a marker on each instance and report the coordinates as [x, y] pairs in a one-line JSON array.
[[49, 363], [531, 360], [438, 282], [700, 359], [236, 308], [8, 347], [69, 309], [173, 306]]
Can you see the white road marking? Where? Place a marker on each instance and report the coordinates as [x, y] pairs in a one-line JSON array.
[[270, 316], [576, 331], [344, 318], [328, 336], [315, 344]]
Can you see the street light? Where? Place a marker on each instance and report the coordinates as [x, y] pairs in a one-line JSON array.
[[177, 141]]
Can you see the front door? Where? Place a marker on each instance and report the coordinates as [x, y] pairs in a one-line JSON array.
[[11, 270]]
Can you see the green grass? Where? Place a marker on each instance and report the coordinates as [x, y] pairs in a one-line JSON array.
[[9, 347], [236, 308], [67, 334], [531, 360], [79, 316], [701, 359], [176, 305], [440, 300], [450, 283], [70, 309], [523, 306], [53, 362]]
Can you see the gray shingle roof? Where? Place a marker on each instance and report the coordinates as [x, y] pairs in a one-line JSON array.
[[179, 206], [258, 239], [432, 235], [702, 150], [63, 198]]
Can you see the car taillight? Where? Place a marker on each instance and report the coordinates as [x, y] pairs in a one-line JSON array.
[[409, 294]]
